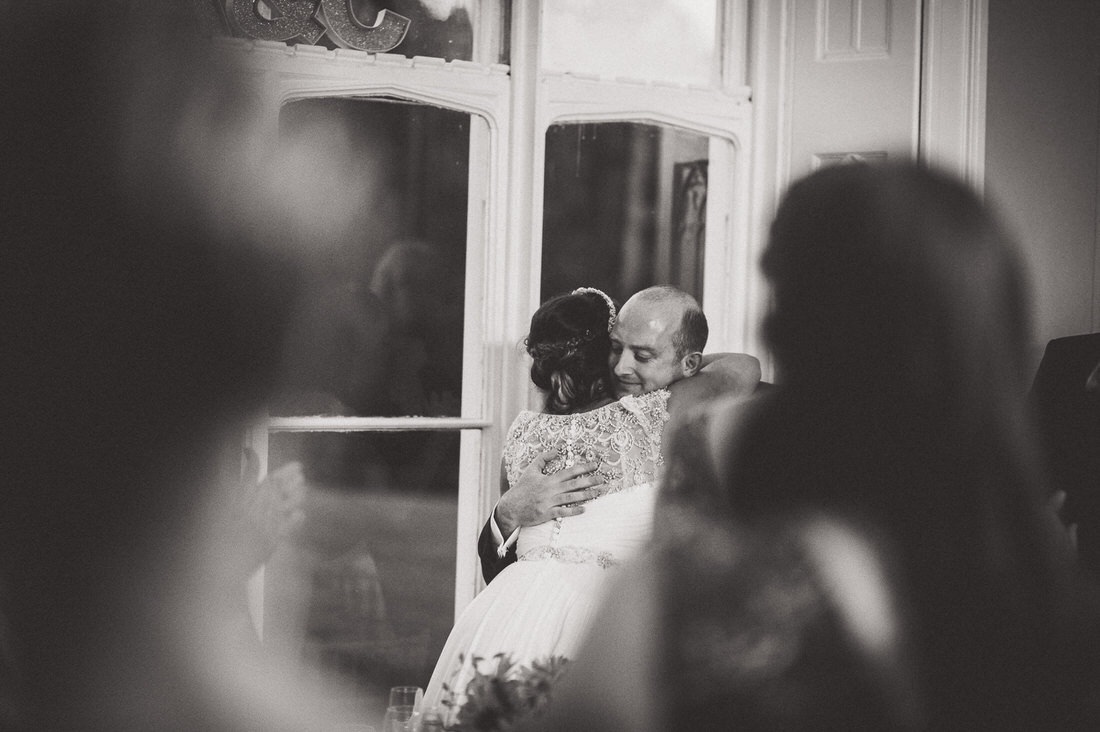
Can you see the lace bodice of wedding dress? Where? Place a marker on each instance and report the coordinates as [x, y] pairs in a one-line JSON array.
[[624, 438]]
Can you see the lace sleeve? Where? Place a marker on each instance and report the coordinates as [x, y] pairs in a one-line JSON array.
[[517, 451]]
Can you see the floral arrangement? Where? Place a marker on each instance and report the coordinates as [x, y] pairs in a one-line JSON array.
[[503, 693]]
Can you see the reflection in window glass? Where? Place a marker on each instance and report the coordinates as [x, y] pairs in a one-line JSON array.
[[624, 208], [668, 40], [440, 28], [379, 330], [363, 596]]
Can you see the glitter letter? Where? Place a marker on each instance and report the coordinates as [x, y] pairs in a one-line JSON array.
[[289, 19], [345, 29]]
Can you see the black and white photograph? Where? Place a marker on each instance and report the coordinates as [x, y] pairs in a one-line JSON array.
[[550, 365]]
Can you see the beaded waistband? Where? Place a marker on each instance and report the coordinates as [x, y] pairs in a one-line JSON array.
[[570, 554]]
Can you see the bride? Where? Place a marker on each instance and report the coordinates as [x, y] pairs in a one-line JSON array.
[[541, 605]]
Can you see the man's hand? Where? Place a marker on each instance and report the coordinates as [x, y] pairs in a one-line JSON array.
[[537, 498], [1057, 504], [273, 507]]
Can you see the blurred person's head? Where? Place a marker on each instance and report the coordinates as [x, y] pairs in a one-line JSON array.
[[894, 283], [901, 316], [900, 328], [658, 339], [410, 281], [569, 344]]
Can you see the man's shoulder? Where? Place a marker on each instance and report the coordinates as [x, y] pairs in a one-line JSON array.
[[1085, 343], [1065, 365], [1074, 352]]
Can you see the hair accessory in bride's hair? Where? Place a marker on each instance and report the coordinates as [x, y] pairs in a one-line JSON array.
[[610, 304], [558, 349]]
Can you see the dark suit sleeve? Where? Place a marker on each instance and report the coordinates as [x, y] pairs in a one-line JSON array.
[[491, 564], [1057, 399], [1053, 370], [1065, 413], [1068, 420]]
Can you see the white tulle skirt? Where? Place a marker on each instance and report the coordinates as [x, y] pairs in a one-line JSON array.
[[543, 605]]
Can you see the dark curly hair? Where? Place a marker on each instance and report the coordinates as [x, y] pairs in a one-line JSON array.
[[570, 345]]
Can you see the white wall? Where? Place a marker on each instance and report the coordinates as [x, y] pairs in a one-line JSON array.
[[1043, 151]]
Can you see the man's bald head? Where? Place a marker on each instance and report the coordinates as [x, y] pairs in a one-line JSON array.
[[693, 331], [658, 339]]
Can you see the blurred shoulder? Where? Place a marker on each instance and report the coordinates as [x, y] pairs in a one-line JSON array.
[[718, 420]]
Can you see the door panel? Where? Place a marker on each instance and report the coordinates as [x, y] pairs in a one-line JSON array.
[[854, 81]]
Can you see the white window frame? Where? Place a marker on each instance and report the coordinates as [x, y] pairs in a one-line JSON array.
[[284, 73]]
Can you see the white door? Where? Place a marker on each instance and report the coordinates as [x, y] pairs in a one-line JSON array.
[[854, 81]]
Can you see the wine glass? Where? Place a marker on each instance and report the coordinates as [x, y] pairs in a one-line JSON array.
[[403, 712], [406, 696]]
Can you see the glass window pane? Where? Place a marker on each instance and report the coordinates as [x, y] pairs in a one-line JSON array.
[[624, 208], [379, 329], [668, 40], [363, 596]]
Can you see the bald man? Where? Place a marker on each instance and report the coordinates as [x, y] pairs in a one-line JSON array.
[[658, 339]]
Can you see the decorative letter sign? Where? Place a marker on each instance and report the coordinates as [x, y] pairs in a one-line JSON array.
[[308, 20], [345, 29], [289, 19]]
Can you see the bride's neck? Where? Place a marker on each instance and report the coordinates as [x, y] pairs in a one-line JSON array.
[[593, 405]]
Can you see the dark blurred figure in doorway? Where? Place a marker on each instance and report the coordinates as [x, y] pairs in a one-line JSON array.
[[416, 287], [416, 283], [1068, 417]]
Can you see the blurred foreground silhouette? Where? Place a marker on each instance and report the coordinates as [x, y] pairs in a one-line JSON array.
[[871, 544], [149, 244]]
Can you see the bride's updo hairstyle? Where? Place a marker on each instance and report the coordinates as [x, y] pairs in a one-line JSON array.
[[569, 342]]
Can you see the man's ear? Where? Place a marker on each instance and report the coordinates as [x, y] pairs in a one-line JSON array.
[[691, 363]]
